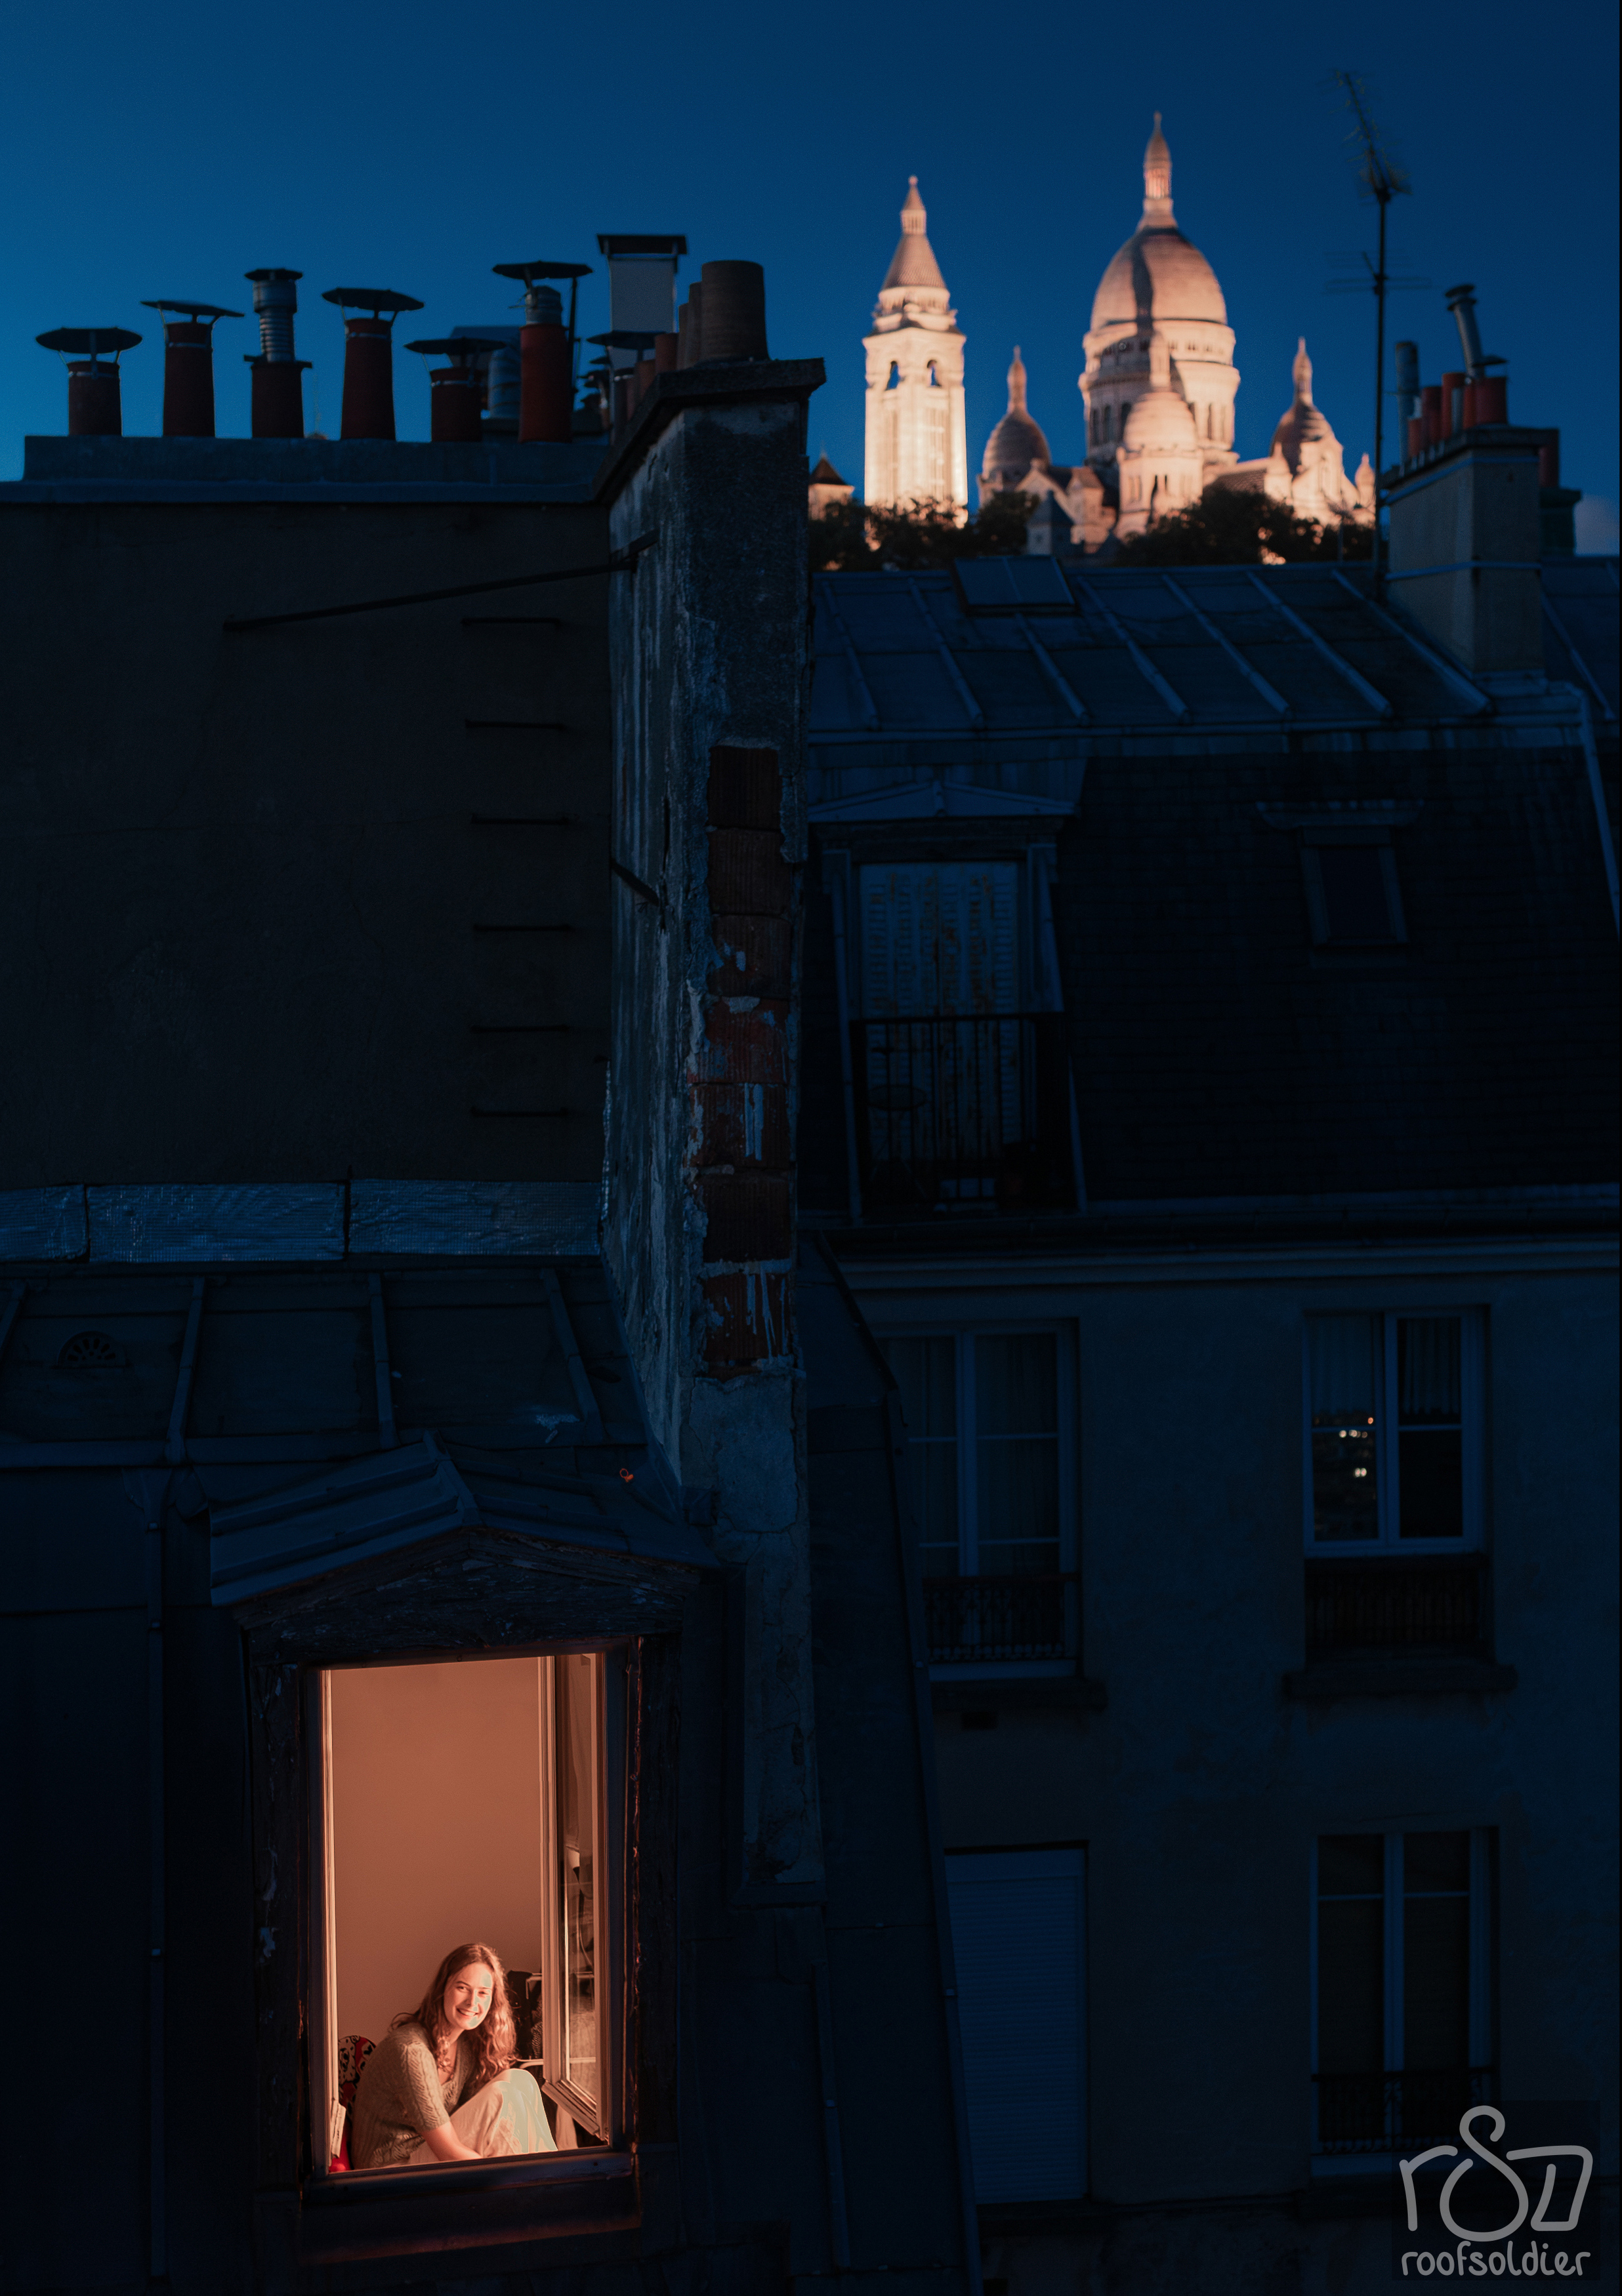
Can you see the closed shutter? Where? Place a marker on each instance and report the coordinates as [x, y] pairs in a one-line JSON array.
[[1016, 1934]]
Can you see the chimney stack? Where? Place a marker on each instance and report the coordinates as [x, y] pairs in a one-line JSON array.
[[368, 357], [188, 366], [95, 406], [734, 312], [455, 392], [277, 393], [546, 350]]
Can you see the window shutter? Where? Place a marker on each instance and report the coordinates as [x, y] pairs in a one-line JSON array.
[[1016, 1939]]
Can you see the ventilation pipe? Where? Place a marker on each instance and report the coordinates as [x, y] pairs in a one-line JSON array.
[[368, 357], [1430, 414], [94, 408], [277, 393], [1486, 397], [1452, 404], [456, 393], [188, 366]]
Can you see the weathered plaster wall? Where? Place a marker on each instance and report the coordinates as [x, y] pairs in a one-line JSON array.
[[710, 665]]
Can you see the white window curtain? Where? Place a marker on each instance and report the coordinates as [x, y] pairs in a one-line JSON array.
[[940, 937], [1343, 1351]]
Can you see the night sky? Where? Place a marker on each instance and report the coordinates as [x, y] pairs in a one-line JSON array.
[[165, 151]]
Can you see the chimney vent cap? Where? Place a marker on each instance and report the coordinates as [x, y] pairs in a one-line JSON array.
[[528, 271], [456, 346], [372, 299], [273, 272], [188, 310], [626, 339], [88, 342]]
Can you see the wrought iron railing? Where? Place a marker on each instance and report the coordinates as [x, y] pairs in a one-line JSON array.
[[1396, 1603], [1374, 2112], [1027, 1617], [958, 1111]]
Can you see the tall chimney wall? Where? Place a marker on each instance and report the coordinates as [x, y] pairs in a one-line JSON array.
[[1466, 545]]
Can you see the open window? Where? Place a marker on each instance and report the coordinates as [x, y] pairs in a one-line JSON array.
[[479, 1799]]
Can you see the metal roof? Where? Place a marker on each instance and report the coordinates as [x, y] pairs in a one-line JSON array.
[[1007, 661]]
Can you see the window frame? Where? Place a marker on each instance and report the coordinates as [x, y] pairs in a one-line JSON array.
[[1472, 1443], [1483, 2037], [600, 2121], [1313, 842], [1062, 1332], [966, 1441]]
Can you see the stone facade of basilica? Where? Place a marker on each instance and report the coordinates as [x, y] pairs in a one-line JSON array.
[[1159, 385]]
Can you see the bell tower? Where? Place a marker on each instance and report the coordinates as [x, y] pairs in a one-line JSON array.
[[915, 446]]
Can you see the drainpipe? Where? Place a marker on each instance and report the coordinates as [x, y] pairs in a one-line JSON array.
[[1596, 790]]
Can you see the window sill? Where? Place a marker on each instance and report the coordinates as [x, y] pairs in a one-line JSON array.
[[473, 2204], [1009, 1693], [1397, 1677], [1337, 2189]]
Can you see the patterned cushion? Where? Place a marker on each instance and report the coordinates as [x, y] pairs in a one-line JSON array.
[[353, 2050]]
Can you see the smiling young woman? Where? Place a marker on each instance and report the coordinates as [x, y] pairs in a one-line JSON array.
[[441, 2084]]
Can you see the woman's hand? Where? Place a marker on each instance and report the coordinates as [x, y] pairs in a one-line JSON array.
[[445, 2145]]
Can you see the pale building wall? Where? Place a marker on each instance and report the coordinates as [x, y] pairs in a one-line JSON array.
[[436, 1825], [1198, 1789]]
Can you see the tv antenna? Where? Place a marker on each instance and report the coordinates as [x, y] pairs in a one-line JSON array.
[[1383, 181]]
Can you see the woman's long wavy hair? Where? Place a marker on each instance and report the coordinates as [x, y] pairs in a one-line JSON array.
[[496, 2042]]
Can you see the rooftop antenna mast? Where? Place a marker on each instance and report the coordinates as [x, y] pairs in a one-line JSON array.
[[1383, 180]]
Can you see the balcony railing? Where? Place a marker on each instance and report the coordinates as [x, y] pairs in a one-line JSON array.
[[1375, 2113], [963, 1112], [1395, 1603], [1034, 1617]]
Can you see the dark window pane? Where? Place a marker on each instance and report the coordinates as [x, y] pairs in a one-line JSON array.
[[1346, 1499], [1351, 1987], [932, 1470], [1016, 1383], [1430, 1472], [926, 1372], [1436, 1983], [1427, 1373], [1436, 1861], [1351, 1864], [1354, 892], [1019, 1506]]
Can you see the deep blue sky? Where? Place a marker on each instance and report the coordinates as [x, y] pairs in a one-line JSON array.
[[164, 150]]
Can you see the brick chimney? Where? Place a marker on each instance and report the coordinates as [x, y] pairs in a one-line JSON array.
[[1466, 542], [188, 365], [368, 357], [94, 402]]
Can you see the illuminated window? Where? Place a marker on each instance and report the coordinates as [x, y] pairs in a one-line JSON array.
[[521, 1757], [1394, 1432], [1402, 2028]]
